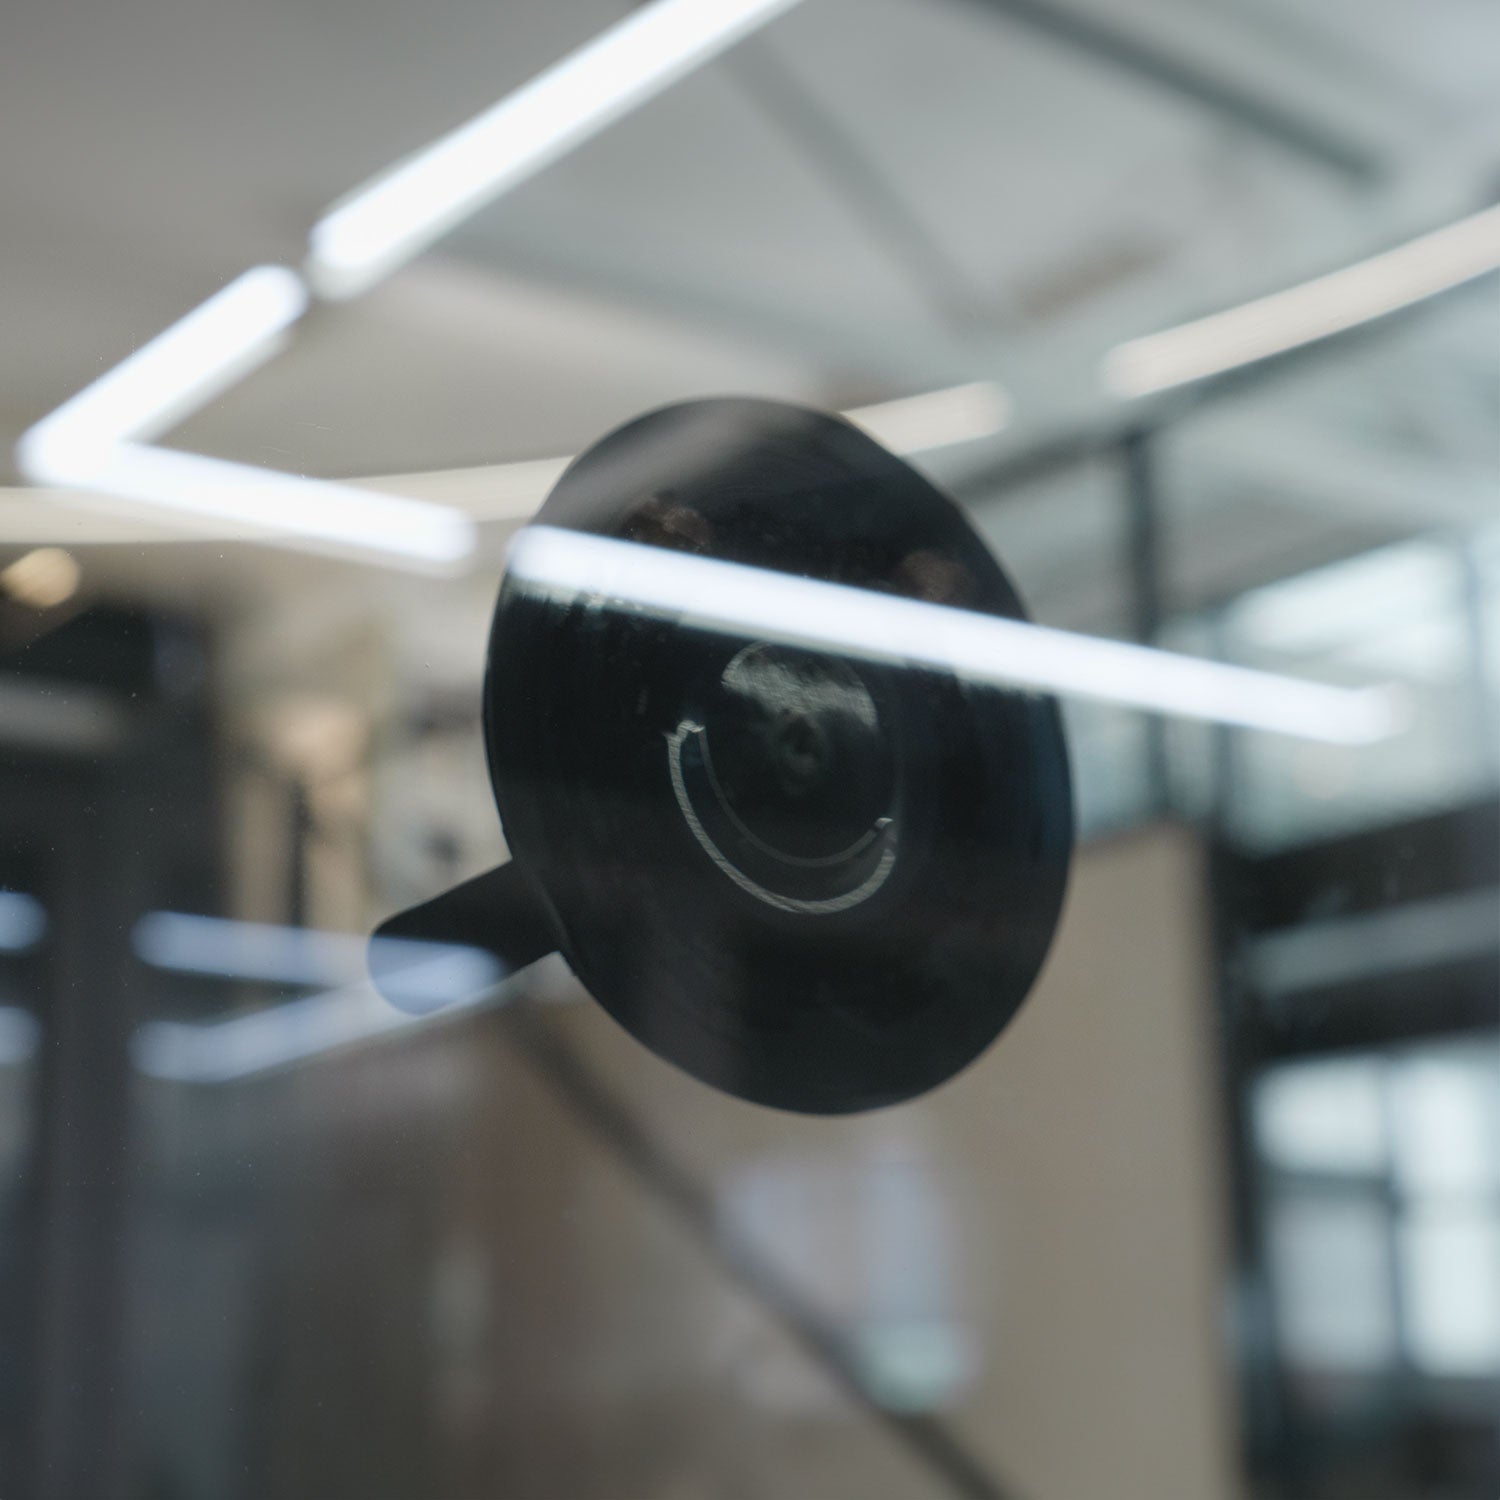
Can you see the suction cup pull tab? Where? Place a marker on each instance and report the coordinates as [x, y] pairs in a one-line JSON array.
[[461, 943]]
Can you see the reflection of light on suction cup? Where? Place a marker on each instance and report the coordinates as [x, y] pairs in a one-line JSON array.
[[337, 518], [180, 370], [784, 608], [909, 424]]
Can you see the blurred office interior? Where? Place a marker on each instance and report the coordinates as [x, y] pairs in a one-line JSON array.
[[1217, 1218]]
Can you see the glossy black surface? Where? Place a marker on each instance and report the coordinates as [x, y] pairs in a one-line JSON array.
[[812, 882]]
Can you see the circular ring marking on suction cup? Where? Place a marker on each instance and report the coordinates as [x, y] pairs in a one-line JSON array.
[[879, 841], [785, 776]]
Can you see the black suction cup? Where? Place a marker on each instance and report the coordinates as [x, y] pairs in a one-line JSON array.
[[811, 881]]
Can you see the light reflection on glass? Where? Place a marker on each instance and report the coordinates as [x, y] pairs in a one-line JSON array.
[[1326, 1116], [1450, 1265], [1384, 1209], [1331, 1264]]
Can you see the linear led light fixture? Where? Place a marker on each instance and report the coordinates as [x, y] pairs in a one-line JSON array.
[[908, 424], [338, 518], [96, 442], [1369, 289], [236, 331], [384, 224], [431, 975], [936, 419], [781, 607]]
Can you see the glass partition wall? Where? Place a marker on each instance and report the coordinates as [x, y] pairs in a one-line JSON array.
[[264, 1235]]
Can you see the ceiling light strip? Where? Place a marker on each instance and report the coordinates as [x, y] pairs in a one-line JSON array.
[[394, 218], [343, 519], [781, 607], [1422, 268], [176, 373], [91, 444]]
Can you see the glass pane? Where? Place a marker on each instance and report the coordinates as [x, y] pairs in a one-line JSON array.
[[1333, 1276], [1451, 1285], [1325, 1117], [1446, 1119]]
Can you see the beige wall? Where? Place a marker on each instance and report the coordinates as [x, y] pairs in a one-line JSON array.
[[1100, 1126]]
